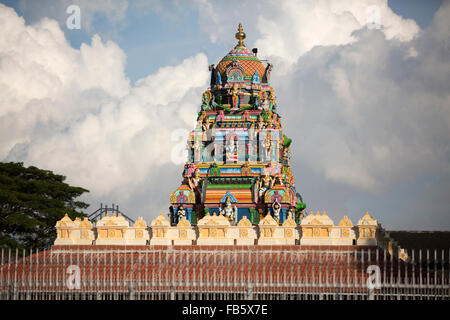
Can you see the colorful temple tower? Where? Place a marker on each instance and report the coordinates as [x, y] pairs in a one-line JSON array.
[[238, 155]]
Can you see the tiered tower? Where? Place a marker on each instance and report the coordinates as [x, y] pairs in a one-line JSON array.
[[239, 157]]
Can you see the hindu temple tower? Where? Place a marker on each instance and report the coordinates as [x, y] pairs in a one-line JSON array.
[[238, 155]]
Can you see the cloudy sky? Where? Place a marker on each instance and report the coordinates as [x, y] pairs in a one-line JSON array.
[[363, 89]]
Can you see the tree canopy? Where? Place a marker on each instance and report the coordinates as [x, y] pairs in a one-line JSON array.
[[32, 200]]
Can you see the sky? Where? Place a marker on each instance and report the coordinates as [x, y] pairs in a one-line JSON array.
[[363, 89]]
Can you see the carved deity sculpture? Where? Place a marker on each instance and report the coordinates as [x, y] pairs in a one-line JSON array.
[[206, 100], [267, 145], [286, 154], [266, 183], [206, 125], [181, 212], [246, 170], [234, 92], [197, 148], [291, 213], [271, 99], [230, 148], [276, 209], [255, 78], [229, 211], [195, 180], [264, 103], [261, 124], [255, 189]]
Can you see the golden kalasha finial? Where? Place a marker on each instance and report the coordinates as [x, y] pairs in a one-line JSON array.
[[240, 36]]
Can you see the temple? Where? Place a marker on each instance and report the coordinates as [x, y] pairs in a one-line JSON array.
[[237, 186], [238, 162], [236, 227]]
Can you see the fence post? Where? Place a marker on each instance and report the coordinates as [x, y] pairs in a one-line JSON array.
[[249, 291], [131, 291], [15, 276], [371, 295], [172, 293]]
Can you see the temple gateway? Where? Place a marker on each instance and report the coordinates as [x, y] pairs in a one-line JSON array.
[[236, 227], [237, 185]]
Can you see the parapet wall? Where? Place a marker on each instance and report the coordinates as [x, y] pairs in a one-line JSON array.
[[314, 229]]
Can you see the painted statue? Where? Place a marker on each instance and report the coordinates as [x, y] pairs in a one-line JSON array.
[[234, 92], [181, 212], [264, 103], [267, 145], [261, 124], [229, 211], [197, 148], [231, 149], [195, 180], [291, 213], [266, 183], [246, 170], [276, 207], [255, 78], [255, 189], [206, 99]]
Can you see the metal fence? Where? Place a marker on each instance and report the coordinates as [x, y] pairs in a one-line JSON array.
[[209, 273]]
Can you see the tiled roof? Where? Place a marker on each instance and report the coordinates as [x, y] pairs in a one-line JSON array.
[[247, 59]]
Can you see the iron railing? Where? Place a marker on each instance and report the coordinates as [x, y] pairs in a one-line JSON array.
[[202, 272]]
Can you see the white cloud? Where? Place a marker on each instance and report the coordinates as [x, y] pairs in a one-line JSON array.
[[357, 92], [367, 109], [370, 114], [74, 112], [288, 29]]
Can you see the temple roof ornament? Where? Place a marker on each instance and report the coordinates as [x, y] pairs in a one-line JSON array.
[[160, 221], [65, 222], [209, 220], [113, 220], [244, 222], [85, 223], [183, 222], [367, 220], [240, 35], [268, 221], [317, 219], [140, 223], [241, 57], [289, 222], [345, 222]]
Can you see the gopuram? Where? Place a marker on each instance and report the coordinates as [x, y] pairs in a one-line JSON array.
[[237, 186], [238, 162], [236, 227]]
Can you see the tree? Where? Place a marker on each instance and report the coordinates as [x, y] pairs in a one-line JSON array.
[[32, 200]]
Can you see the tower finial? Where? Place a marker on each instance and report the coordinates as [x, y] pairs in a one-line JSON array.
[[240, 36]]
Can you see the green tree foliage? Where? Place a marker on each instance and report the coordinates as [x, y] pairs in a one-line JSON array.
[[32, 200]]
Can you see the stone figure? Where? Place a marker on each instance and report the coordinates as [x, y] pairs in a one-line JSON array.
[[206, 99], [195, 180], [264, 103], [291, 213], [265, 184], [276, 207], [229, 211], [181, 212], [234, 92]]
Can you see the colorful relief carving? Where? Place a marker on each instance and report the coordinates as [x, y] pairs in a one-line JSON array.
[[237, 177], [238, 145]]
